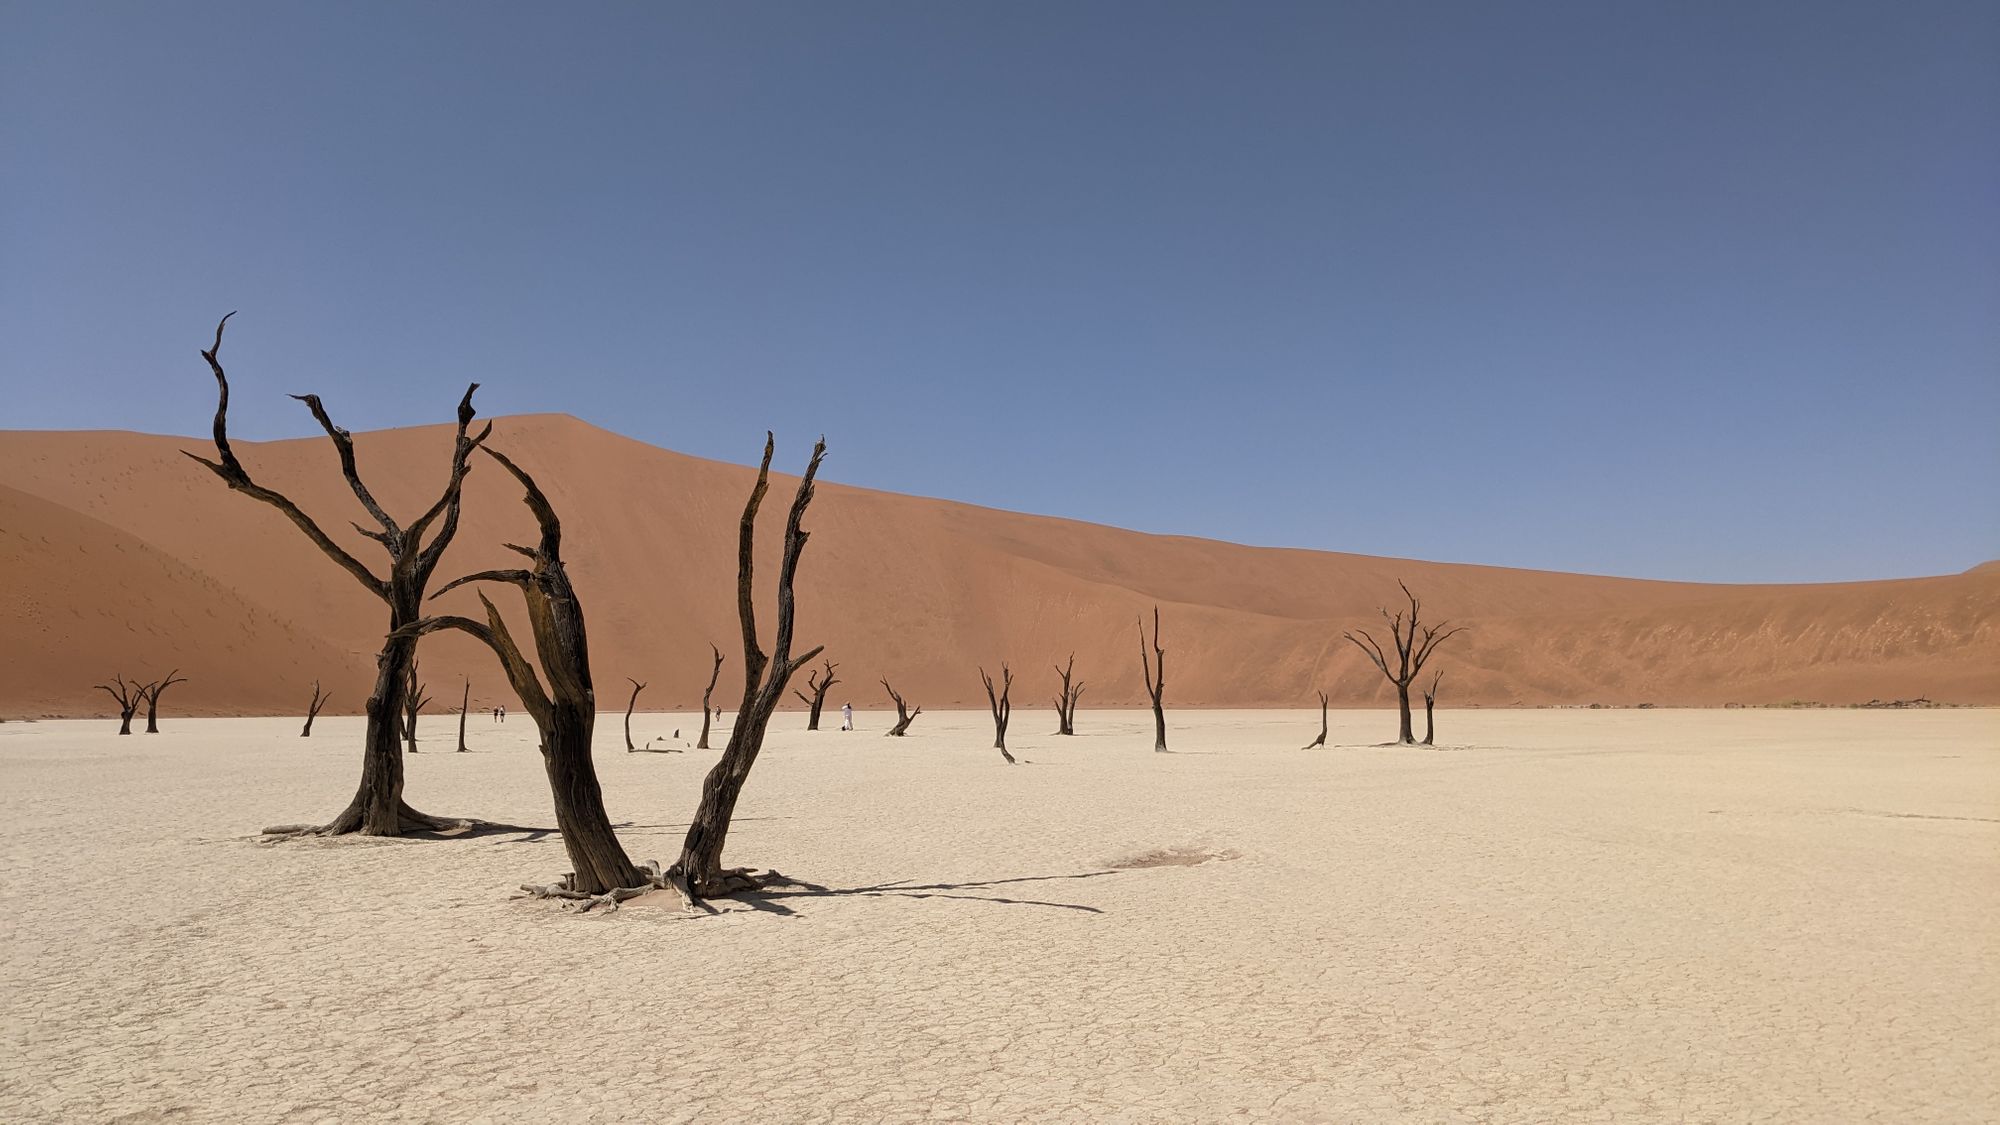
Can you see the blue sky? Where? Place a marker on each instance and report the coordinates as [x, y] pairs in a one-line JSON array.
[[1692, 291]]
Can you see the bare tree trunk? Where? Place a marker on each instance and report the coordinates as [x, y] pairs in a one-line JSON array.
[[764, 682], [414, 699], [904, 716], [1002, 709], [153, 692], [714, 674], [128, 697], [1067, 697], [637, 687], [1155, 672], [464, 705], [1430, 704], [312, 710], [818, 682], [1415, 642], [1321, 740]]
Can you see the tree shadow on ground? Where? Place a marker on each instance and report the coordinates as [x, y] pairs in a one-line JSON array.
[[770, 899]]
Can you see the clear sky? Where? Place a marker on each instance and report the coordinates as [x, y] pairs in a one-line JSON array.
[[1696, 291]]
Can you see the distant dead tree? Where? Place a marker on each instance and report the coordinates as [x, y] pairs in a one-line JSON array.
[[1321, 740], [1155, 672], [153, 691], [565, 710], [1002, 709], [464, 705], [1072, 690], [377, 808], [764, 682], [637, 687], [1414, 642], [818, 682], [1430, 705], [414, 700], [714, 674], [904, 716], [312, 710], [129, 696]]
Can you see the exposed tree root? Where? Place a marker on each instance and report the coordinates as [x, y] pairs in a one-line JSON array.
[[734, 880], [350, 822]]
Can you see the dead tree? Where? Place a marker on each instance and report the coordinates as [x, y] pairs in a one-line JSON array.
[[414, 700], [1321, 740], [637, 687], [1430, 705], [904, 715], [1415, 642], [312, 710], [714, 674], [818, 682], [1066, 698], [1155, 672], [1002, 709], [560, 699], [152, 692], [128, 696], [377, 808], [464, 705], [764, 682]]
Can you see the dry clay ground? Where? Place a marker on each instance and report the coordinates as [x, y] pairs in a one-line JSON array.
[[1568, 916]]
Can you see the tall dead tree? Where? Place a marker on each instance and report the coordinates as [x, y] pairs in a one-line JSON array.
[[1072, 689], [312, 709], [714, 674], [637, 687], [1414, 642], [464, 705], [818, 681], [377, 808], [1321, 740], [415, 697], [1155, 672], [153, 691], [128, 696], [1430, 705], [560, 699], [764, 682], [904, 715], [1002, 709]]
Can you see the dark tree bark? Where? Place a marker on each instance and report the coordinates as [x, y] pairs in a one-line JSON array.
[[904, 715], [1415, 642], [312, 710], [153, 691], [377, 808], [464, 704], [1002, 709], [414, 700], [637, 687], [1321, 740], [714, 674], [128, 697], [1067, 697], [817, 681], [764, 682], [1430, 706], [565, 710], [1155, 672]]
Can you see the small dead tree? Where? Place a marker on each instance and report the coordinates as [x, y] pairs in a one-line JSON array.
[[904, 715], [1321, 740], [1430, 705], [464, 705], [1002, 709], [764, 682], [1155, 672], [1414, 642], [128, 696], [818, 682], [637, 687], [312, 710], [1072, 689], [377, 808], [153, 691], [415, 698], [714, 674], [561, 701]]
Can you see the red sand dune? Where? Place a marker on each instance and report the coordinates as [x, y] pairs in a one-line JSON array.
[[123, 556]]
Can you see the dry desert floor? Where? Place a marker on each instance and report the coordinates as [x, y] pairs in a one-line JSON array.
[[1561, 916]]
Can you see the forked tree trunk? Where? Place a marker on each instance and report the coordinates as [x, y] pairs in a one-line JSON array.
[[904, 715], [414, 699], [153, 691], [1155, 672], [464, 705], [714, 674], [1067, 697], [312, 709], [1002, 709], [128, 697], [1321, 740], [817, 681], [637, 687]]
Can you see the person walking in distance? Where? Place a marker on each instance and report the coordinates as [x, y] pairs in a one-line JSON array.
[[847, 716]]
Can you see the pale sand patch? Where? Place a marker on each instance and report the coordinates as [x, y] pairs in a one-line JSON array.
[[1578, 916]]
